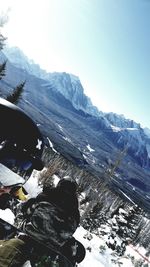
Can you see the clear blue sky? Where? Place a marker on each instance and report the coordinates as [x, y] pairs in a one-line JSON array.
[[106, 43]]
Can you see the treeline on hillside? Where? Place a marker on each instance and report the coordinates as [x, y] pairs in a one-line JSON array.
[[98, 202]]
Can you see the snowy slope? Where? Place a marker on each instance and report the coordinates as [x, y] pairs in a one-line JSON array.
[[97, 252], [61, 96]]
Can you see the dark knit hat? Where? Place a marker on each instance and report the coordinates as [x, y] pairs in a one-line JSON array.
[[67, 185]]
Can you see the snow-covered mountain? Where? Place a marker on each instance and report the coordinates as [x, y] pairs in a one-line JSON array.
[[56, 101], [147, 132], [67, 84], [121, 121], [129, 132], [20, 60], [131, 135], [94, 141]]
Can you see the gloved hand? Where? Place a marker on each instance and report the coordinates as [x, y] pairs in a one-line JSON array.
[[27, 206]]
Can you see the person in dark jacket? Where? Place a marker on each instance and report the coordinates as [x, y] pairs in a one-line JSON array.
[[63, 196], [51, 219], [53, 216]]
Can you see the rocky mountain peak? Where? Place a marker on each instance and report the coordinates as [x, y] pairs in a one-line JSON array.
[[120, 121], [67, 84]]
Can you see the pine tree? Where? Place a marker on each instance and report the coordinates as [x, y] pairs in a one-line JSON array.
[[2, 69], [94, 218], [2, 41], [15, 96], [111, 170], [3, 20], [124, 225]]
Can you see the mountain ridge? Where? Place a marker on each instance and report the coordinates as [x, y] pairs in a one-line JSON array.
[[55, 79], [20, 60], [73, 130]]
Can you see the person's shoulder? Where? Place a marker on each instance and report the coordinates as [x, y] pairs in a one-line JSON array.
[[47, 194], [29, 203], [5, 201]]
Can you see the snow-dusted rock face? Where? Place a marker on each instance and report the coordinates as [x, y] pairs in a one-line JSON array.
[[67, 84], [78, 130], [121, 121], [128, 133], [147, 132], [71, 88], [20, 60]]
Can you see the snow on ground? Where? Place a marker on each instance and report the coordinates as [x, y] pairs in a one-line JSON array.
[[97, 257], [100, 255], [97, 252], [51, 145], [115, 128], [89, 148], [56, 179], [7, 215]]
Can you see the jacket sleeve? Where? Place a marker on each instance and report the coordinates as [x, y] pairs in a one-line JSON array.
[[50, 225], [5, 200], [27, 206]]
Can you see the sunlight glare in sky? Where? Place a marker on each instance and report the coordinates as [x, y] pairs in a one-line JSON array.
[[104, 43], [32, 27]]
